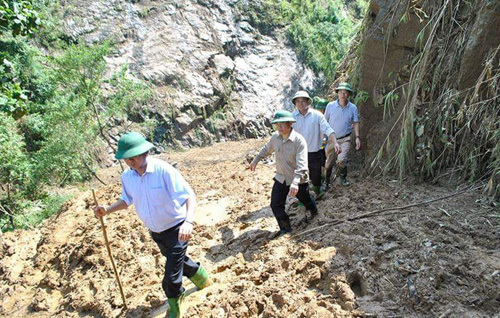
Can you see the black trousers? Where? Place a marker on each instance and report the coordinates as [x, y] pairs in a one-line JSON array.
[[316, 160], [178, 264], [278, 199]]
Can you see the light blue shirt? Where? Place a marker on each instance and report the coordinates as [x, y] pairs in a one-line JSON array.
[[312, 126], [341, 119], [159, 195]]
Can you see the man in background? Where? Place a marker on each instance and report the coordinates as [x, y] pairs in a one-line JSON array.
[[291, 177], [342, 115], [311, 124]]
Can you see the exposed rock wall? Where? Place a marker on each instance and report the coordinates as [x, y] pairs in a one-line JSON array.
[[391, 40], [214, 75], [383, 55], [484, 36]]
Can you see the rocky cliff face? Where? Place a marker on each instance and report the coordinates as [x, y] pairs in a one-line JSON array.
[[215, 76]]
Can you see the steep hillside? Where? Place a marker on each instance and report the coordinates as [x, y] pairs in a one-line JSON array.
[[215, 76], [427, 73], [436, 259]]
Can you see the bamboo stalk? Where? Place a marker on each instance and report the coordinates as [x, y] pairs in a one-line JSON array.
[[109, 252]]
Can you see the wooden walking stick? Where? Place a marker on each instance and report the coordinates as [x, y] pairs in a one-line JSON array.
[[109, 252]]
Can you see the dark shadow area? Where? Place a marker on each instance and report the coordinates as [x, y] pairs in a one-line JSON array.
[[255, 215], [247, 243]]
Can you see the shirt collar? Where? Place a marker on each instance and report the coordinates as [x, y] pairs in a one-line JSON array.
[[337, 104], [292, 137], [149, 168], [307, 113]]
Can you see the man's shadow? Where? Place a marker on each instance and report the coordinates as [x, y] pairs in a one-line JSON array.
[[250, 242], [247, 243]]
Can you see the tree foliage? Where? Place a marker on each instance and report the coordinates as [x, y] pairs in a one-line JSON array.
[[55, 111], [319, 30], [18, 17]]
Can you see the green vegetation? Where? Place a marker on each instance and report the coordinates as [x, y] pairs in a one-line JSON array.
[[54, 111], [319, 30], [443, 130]]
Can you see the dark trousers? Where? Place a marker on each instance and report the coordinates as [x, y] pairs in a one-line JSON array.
[[316, 160], [178, 263], [278, 199]]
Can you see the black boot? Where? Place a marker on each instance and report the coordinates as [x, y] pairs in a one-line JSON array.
[[326, 184], [285, 226], [343, 176], [314, 213]]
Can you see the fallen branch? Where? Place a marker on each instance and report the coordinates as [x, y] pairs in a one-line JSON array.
[[93, 173], [374, 213]]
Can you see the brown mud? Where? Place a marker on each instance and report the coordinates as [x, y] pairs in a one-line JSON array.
[[436, 260]]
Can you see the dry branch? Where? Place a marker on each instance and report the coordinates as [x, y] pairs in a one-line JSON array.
[[374, 213]]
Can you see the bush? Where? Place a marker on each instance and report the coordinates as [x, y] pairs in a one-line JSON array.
[[53, 109], [319, 30]]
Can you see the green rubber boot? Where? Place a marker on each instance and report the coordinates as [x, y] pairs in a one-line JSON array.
[[174, 304], [319, 193], [201, 279], [343, 176]]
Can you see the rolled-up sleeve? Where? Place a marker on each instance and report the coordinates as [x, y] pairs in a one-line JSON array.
[[325, 127], [125, 196], [355, 117]]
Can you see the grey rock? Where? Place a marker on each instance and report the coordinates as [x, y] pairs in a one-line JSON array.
[[196, 53]]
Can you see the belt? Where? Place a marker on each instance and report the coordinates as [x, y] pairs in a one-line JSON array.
[[345, 135]]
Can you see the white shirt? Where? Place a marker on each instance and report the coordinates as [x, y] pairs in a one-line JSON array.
[[159, 195], [312, 126]]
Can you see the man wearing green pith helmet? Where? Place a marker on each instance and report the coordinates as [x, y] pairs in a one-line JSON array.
[[165, 202], [291, 178], [342, 115]]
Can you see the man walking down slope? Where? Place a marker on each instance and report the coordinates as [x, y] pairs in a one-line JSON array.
[[342, 115], [311, 124], [165, 202]]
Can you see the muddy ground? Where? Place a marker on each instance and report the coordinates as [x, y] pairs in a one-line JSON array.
[[436, 260]]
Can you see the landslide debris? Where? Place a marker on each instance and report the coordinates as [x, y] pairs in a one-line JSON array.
[[434, 259]]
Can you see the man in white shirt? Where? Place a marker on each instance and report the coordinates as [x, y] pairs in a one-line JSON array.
[[311, 124], [165, 202]]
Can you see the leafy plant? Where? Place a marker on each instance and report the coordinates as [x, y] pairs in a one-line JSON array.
[[18, 17], [444, 130], [319, 30], [53, 109]]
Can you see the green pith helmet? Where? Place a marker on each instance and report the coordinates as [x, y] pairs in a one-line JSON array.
[[319, 103], [302, 94], [344, 86], [283, 116], [132, 144]]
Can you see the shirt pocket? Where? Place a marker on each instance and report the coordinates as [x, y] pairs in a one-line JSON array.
[[158, 195]]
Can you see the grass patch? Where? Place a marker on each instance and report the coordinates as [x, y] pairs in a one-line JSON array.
[[34, 212]]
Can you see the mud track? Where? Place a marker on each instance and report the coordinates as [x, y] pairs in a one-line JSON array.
[[437, 260]]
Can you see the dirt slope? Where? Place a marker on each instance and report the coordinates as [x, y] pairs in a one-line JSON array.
[[440, 259]]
